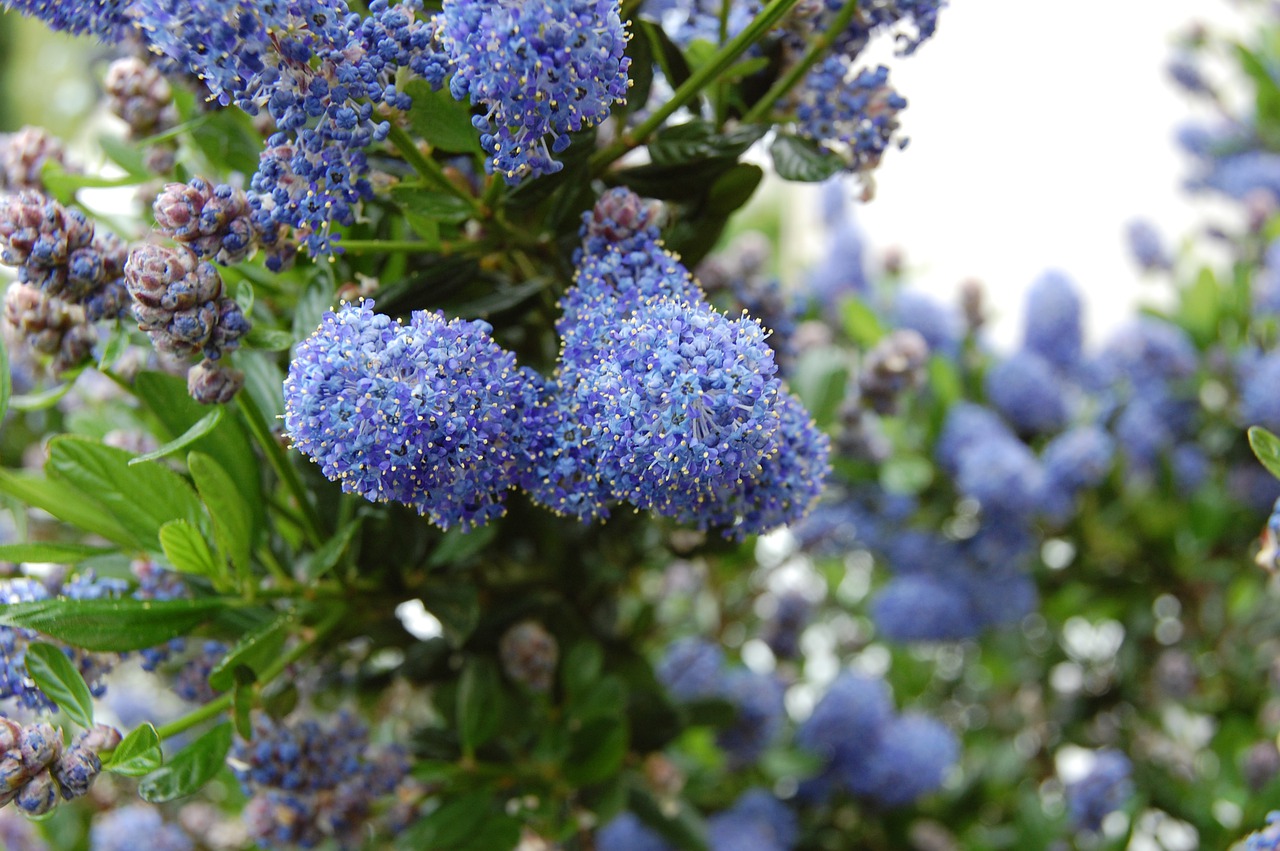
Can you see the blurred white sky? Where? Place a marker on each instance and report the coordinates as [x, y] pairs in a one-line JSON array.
[[1038, 129]]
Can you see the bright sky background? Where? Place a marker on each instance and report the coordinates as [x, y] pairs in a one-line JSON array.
[[1038, 129]]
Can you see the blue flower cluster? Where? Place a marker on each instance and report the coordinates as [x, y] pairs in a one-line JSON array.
[[310, 782], [57, 249], [120, 828], [1104, 789], [852, 114], [687, 21], [36, 769], [869, 750], [426, 414], [1267, 839], [540, 68], [757, 821], [694, 669], [657, 399]]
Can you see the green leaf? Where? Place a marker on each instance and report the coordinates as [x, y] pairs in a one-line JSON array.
[[441, 121], [167, 398], [1267, 447], [127, 155], [6, 382], [63, 186], [732, 190], [323, 560], [906, 474], [227, 138], [451, 824], [243, 696], [67, 503], [60, 680], [861, 324], [232, 524], [820, 379], [111, 625], [457, 607], [665, 52], [581, 668], [698, 140], [141, 498], [50, 552], [255, 651], [244, 297], [596, 751], [458, 546], [199, 429], [605, 698], [944, 380], [436, 206], [115, 346], [801, 159], [479, 703], [46, 398], [683, 828], [191, 768], [138, 754], [268, 339], [187, 550]]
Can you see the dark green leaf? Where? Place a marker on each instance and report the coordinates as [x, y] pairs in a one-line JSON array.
[[268, 339], [323, 560], [453, 823], [111, 625], [698, 140], [596, 751], [479, 702], [457, 546], [665, 53], [191, 768], [198, 429], [242, 699], [188, 552], [437, 206], [457, 607], [51, 552], [232, 525], [314, 302], [604, 698], [141, 498], [167, 398], [732, 190], [255, 651], [503, 298], [60, 680], [581, 668], [227, 138], [138, 754], [801, 159], [499, 833], [1267, 447], [66, 503], [441, 121]]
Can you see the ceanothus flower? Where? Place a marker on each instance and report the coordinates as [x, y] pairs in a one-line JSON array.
[[541, 68], [424, 414], [1105, 788], [925, 607], [911, 758], [852, 115], [1024, 388], [757, 821]]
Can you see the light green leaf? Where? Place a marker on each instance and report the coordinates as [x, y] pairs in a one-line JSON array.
[[50, 552], [440, 120], [188, 552], [199, 429], [232, 524], [60, 680], [1267, 447], [191, 768], [255, 651], [138, 754], [67, 503], [111, 625]]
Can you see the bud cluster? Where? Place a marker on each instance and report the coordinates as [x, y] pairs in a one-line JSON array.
[[49, 325], [35, 768], [215, 222], [139, 95], [178, 300], [56, 249], [22, 158], [894, 365]]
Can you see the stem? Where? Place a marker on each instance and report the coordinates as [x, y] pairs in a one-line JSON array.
[[357, 246], [705, 75], [283, 469], [219, 704], [816, 48], [429, 168]]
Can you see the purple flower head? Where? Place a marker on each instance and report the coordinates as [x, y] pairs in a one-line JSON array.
[[423, 414], [925, 607], [911, 758], [758, 715], [692, 669], [544, 68], [626, 832], [1052, 323], [1105, 789], [852, 115], [848, 720], [939, 324], [1024, 388]]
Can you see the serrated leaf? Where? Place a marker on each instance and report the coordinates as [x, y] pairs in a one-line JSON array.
[[66, 503], [189, 769], [268, 339], [436, 206], [198, 429], [141, 498], [111, 625], [801, 159], [50, 552], [137, 754], [255, 651], [441, 121], [1266, 446], [232, 525], [187, 550], [60, 680], [479, 703]]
